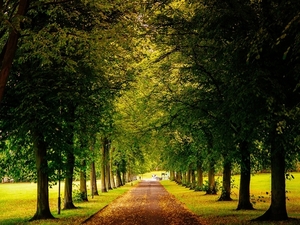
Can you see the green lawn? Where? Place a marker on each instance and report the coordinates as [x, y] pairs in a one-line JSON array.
[[18, 204], [214, 212]]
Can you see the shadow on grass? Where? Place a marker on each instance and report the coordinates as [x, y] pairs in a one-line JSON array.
[[289, 221]]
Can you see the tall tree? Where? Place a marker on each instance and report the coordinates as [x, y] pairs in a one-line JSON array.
[[9, 49], [53, 53]]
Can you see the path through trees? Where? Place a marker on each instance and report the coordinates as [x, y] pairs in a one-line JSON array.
[[149, 203]]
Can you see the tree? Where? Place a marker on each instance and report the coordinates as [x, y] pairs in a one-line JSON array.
[[225, 34], [10, 47], [58, 59]]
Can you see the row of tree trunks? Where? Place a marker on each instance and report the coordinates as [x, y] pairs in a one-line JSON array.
[[277, 209], [188, 178], [40, 147], [108, 179]]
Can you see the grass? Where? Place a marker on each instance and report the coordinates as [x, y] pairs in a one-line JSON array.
[[18, 204], [214, 212]]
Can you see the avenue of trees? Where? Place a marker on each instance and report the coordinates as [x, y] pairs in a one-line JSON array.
[[117, 89]]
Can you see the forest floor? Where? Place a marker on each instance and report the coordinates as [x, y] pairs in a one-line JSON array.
[[148, 204]]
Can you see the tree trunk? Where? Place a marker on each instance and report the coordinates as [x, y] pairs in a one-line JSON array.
[[183, 178], [226, 190], [93, 181], [118, 179], [112, 177], [172, 175], [93, 177], [211, 180], [107, 166], [40, 148], [188, 178], [127, 177], [83, 189], [244, 193], [193, 177], [123, 178], [8, 52], [178, 178], [199, 176], [277, 210], [103, 166], [107, 177], [68, 201]]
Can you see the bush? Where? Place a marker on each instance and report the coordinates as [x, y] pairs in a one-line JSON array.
[[77, 195]]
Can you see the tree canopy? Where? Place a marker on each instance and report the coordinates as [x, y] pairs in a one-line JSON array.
[[177, 85]]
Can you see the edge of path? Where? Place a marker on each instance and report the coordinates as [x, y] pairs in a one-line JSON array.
[[90, 217]]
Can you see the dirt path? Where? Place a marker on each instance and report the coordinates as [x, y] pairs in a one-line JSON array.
[[147, 204]]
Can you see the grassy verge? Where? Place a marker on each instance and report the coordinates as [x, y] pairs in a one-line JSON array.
[[18, 204], [214, 212]]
